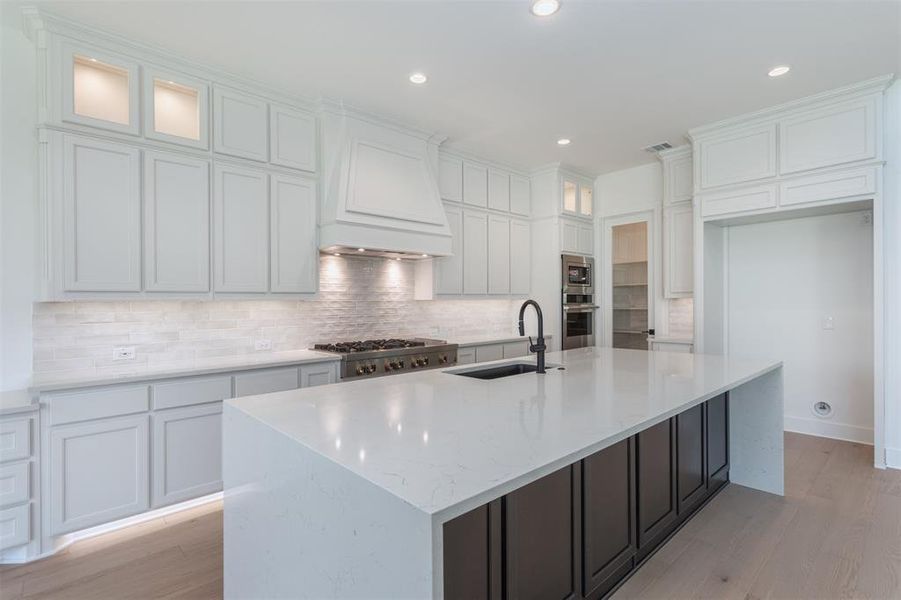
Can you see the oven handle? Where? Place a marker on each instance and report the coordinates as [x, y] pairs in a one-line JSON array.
[[580, 307]]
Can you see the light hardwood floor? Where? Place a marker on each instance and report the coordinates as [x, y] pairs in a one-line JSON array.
[[836, 534]]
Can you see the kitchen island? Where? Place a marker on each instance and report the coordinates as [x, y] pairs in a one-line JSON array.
[[434, 484]]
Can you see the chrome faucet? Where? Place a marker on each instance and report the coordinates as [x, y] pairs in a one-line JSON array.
[[538, 347]]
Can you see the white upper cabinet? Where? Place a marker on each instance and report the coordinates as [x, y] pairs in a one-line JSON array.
[[832, 135], [240, 124], [241, 230], [739, 156], [520, 257], [176, 223], [176, 108], [586, 199], [101, 216], [569, 236], [678, 183], [475, 256], [450, 178], [475, 184], [449, 279], [498, 254], [520, 195], [99, 90], [585, 238], [292, 138], [498, 190], [678, 251], [295, 254]]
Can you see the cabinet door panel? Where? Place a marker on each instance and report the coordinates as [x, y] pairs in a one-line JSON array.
[[539, 539], [450, 178], [520, 195], [656, 485], [475, 185], [187, 453], [738, 157], [102, 216], [98, 472], [717, 441], [678, 247], [475, 253], [294, 252], [317, 374], [292, 138], [691, 477], [176, 223], [489, 352], [239, 124], [608, 521], [241, 213], [678, 184], [498, 255], [450, 268], [472, 554], [569, 236], [520, 257], [586, 239], [498, 190]]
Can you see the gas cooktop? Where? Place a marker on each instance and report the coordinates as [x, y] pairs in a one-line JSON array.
[[371, 358]]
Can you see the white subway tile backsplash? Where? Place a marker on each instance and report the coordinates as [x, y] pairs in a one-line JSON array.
[[359, 298]]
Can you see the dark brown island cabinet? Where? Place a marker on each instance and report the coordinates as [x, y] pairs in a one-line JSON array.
[[582, 530]]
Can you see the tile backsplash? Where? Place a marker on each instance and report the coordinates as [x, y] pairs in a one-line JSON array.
[[359, 298]]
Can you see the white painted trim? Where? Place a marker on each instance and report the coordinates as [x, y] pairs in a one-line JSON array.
[[829, 429], [893, 458]]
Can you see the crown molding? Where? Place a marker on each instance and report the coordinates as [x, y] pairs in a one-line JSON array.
[[862, 88], [675, 152]]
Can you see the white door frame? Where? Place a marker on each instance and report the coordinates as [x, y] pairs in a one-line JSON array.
[[653, 222]]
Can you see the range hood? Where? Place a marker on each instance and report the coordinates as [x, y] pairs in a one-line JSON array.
[[380, 187]]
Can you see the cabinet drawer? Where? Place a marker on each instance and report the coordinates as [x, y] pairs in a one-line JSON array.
[[97, 404], [15, 526], [264, 382], [15, 484], [171, 394], [515, 349], [466, 356], [317, 374], [489, 352], [831, 186], [755, 198], [15, 439]]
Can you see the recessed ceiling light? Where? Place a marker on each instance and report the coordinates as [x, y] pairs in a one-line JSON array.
[[361, 249], [545, 8], [418, 78], [780, 70], [563, 142]]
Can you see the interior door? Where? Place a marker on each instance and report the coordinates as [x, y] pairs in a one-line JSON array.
[[629, 276]]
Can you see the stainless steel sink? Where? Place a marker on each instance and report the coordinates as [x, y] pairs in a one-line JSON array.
[[497, 371]]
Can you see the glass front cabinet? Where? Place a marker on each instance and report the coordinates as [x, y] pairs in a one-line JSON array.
[[176, 108], [578, 196]]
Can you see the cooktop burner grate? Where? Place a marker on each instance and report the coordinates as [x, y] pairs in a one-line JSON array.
[[368, 345]]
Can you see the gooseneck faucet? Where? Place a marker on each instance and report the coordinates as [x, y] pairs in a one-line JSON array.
[[538, 347]]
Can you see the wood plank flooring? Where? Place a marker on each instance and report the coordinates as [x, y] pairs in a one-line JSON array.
[[836, 534]]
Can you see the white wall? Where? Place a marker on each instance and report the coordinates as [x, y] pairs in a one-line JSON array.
[[785, 278], [17, 200], [892, 280]]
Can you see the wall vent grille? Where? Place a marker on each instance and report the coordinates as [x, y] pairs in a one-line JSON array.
[[658, 147]]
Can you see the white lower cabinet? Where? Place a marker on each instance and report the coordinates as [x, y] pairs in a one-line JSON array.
[[318, 374], [266, 381], [98, 472], [516, 349], [489, 352], [15, 484], [466, 356], [15, 526], [187, 453]]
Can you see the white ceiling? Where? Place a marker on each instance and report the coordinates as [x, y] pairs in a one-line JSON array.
[[612, 75]]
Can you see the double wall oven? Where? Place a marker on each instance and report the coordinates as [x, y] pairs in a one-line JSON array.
[[579, 308]]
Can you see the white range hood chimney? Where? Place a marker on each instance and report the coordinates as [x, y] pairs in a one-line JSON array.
[[380, 187]]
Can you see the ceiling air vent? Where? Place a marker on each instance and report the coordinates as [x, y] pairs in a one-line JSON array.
[[658, 147]]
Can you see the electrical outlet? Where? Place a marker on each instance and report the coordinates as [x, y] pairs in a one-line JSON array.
[[126, 353], [828, 323], [263, 345]]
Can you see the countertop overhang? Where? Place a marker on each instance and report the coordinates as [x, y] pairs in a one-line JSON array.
[[441, 442]]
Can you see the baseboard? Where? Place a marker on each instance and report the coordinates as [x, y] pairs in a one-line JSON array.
[[826, 428], [893, 458]]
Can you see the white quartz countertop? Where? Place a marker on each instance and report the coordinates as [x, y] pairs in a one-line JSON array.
[[206, 366], [16, 401], [440, 441]]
